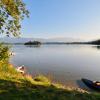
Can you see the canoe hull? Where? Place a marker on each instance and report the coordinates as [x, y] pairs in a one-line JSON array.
[[91, 85]]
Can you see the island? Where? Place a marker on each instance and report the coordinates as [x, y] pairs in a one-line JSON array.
[[33, 43]]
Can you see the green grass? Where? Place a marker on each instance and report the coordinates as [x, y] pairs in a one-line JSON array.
[[15, 86]]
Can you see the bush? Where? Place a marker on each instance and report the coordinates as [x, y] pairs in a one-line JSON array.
[[4, 53]]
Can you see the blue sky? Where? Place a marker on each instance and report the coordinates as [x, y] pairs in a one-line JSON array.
[[62, 18]]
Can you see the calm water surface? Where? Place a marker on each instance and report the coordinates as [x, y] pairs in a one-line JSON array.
[[62, 63]]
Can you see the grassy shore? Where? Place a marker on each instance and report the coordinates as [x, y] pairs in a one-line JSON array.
[[15, 86]]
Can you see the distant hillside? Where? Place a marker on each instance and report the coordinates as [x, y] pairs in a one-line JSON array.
[[19, 40], [96, 42], [64, 39], [24, 40]]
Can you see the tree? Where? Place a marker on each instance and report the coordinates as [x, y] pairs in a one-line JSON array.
[[11, 13]]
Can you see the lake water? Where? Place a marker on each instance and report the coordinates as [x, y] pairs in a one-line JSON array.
[[63, 63]]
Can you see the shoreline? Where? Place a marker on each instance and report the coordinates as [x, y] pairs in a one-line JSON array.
[[81, 87], [16, 86], [77, 85]]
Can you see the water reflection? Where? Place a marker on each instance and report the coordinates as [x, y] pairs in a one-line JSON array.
[[31, 46], [96, 47], [65, 62]]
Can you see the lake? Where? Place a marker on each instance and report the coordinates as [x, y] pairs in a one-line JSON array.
[[62, 63]]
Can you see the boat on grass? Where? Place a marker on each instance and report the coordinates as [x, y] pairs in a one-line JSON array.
[[92, 84]]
